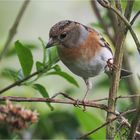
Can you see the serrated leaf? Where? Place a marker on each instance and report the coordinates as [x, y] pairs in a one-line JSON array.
[[65, 75], [25, 58], [43, 92]]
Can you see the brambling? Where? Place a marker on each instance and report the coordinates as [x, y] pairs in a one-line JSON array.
[[83, 50]]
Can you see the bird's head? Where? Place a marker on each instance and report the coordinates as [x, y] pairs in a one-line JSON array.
[[67, 34]]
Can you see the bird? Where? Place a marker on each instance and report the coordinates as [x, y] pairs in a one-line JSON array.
[[83, 50]]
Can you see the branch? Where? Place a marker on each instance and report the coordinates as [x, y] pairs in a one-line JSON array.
[[106, 123], [119, 97], [52, 100], [135, 17], [110, 131], [75, 103], [109, 6], [134, 124], [14, 27], [19, 82], [130, 81]]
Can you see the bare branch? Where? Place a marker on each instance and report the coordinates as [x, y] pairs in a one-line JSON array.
[[119, 97], [14, 27], [52, 100], [135, 17]]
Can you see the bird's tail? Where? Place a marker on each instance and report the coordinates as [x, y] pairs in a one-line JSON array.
[[125, 73]]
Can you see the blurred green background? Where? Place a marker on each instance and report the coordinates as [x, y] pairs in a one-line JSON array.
[[66, 121]]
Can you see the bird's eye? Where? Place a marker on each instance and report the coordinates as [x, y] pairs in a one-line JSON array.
[[62, 36]]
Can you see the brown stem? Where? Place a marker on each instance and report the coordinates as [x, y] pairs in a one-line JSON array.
[[119, 97], [14, 27], [53, 100], [135, 17], [118, 62]]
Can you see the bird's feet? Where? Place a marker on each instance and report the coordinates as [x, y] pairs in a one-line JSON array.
[[110, 64], [78, 103], [84, 105]]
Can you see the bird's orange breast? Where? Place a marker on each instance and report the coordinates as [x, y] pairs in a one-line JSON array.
[[86, 51]]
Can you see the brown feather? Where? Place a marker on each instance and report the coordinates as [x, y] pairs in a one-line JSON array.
[[86, 50]]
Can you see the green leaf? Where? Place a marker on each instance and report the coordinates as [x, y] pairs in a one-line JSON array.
[[65, 75], [20, 75], [57, 68], [44, 50], [10, 74], [53, 55], [89, 121], [43, 92], [25, 58], [12, 50]]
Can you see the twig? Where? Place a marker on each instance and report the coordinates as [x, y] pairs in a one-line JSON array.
[[119, 97], [70, 101], [64, 94], [106, 123], [98, 15], [52, 100], [14, 27], [17, 83], [135, 123], [110, 129], [135, 17], [107, 5]]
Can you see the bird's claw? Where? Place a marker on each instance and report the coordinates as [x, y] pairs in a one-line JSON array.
[[84, 107], [78, 102], [110, 65]]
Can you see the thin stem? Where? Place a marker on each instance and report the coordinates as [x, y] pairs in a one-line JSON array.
[[17, 83], [135, 17], [119, 97], [53, 100], [14, 27]]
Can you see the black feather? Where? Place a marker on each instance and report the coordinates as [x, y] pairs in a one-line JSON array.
[[124, 73]]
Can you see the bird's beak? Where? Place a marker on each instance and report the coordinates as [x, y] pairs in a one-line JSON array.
[[50, 43]]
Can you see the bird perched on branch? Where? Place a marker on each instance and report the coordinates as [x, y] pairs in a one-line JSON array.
[[83, 50]]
